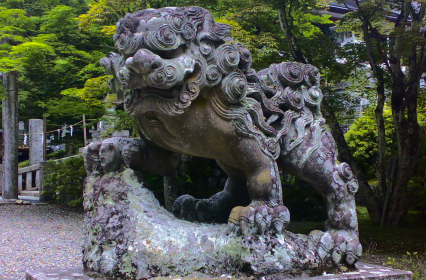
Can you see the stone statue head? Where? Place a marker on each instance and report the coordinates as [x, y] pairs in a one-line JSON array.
[[168, 55], [110, 157], [91, 156]]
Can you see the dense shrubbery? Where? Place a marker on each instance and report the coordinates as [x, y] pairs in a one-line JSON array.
[[64, 179]]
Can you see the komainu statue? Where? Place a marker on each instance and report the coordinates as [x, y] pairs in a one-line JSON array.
[[192, 91]]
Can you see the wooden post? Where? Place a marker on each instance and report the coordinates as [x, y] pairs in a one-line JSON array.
[[84, 130], [10, 136]]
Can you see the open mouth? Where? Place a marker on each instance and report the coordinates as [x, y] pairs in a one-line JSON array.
[[133, 97]]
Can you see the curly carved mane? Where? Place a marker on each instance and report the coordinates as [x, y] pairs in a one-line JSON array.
[[266, 105]]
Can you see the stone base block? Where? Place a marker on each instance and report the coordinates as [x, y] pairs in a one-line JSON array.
[[365, 271], [71, 273]]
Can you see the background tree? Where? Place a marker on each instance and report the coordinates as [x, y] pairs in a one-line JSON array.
[[395, 44]]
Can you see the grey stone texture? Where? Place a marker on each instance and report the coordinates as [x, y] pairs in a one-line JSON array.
[[10, 136], [365, 271], [129, 235], [36, 141], [75, 273], [191, 90]]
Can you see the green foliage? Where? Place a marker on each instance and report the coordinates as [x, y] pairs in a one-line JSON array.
[[24, 163], [42, 40], [362, 140], [65, 180], [56, 155], [412, 262]]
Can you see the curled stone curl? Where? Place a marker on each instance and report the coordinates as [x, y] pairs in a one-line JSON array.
[[227, 58], [176, 21], [293, 99], [193, 89], [234, 87], [311, 75], [345, 171], [207, 48], [188, 31], [213, 75], [129, 44], [164, 77], [313, 96], [290, 73], [165, 38]]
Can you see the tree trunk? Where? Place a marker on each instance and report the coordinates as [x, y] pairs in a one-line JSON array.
[[381, 133], [404, 112], [368, 196], [10, 136], [291, 39]]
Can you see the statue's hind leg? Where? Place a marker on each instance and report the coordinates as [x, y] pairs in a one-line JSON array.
[[217, 207], [317, 164]]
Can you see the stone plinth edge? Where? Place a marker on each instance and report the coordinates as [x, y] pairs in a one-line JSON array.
[[365, 271], [70, 273]]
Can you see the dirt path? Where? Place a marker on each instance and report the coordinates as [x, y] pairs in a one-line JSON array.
[[34, 237]]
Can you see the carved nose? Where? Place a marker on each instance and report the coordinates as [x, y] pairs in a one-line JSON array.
[[144, 62]]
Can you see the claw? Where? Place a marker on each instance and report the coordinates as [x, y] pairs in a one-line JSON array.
[[281, 218], [247, 221], [337, 256], [353, 253], [325, 245], [233, 220], [263, 218]]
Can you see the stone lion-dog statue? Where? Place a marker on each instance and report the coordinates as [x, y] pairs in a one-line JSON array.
[[191, 90]]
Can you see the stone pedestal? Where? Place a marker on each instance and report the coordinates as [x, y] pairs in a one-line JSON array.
[[365, 271], [128, 235]]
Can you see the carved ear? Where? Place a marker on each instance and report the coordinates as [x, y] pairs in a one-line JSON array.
[[219, 31]]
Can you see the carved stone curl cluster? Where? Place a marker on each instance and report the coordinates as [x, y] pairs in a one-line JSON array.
[[181, 49]]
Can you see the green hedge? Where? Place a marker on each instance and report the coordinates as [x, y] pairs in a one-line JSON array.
[[64, 179]]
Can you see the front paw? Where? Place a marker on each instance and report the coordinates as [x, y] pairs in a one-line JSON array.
[[342, 247], [258, 220]]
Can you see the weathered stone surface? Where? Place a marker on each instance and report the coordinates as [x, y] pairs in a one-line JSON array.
[[74, 273], [36, 141], [19, 202], [128, 234], [366, 271], [9, 176], [191, 90]]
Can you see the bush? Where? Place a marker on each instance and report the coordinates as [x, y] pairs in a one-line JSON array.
[[64, 179], [24, 163], [57, 154]]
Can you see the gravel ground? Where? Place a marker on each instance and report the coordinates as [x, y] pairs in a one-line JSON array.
[[38, 236]]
